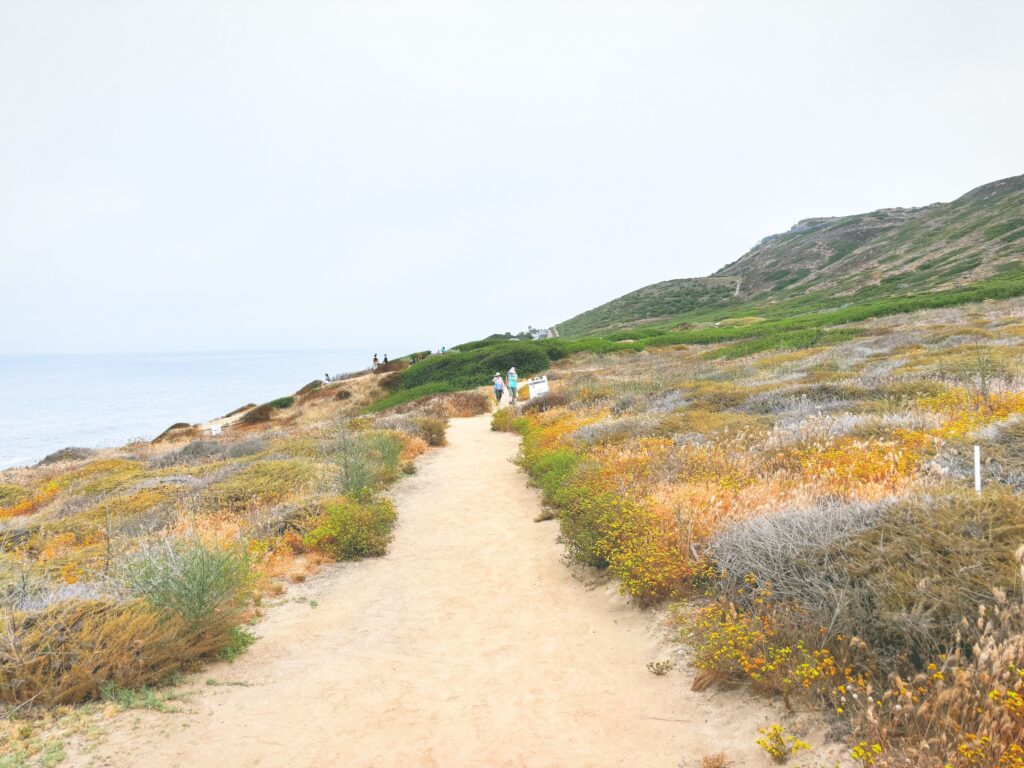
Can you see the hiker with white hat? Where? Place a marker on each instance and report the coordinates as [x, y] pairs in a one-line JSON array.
[[513, 384], [499, 387]]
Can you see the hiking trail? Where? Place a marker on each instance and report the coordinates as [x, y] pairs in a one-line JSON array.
[[468, 644]]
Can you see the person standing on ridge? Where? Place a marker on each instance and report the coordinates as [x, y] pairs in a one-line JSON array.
[[385, 358], [376, 362], [499, 387], [513, 384]]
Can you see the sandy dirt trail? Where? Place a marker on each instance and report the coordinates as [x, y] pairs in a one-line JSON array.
[[469, 644]]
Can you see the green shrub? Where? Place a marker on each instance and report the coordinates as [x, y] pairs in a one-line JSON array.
[[237, 641], [192, 580], [352, 528], [473, 368], [282, 402], [11, 494], [501, 420], [365, 460]]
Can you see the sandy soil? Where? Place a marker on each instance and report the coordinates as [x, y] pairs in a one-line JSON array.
[[469, 644]]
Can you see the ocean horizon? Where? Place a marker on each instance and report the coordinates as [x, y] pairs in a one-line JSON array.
[[53, 401]]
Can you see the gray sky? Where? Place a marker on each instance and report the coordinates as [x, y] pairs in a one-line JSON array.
[[225, 175]]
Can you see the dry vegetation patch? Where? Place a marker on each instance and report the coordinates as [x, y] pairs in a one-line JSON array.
[[824, 499], [123, 566]]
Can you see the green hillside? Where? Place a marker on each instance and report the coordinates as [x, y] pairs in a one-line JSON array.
[[830, 262]]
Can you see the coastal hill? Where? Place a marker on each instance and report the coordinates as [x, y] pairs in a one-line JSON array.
[[888, 252]]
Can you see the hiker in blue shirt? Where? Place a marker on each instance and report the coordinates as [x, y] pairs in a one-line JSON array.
[[513, 384], [499, 387]]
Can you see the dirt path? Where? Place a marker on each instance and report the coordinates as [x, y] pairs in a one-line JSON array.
[[469, 644]]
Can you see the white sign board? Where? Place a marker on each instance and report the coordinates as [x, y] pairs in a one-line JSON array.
[[538, 386]]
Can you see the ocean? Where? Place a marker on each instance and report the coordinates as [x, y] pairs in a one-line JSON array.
[[48, 402]]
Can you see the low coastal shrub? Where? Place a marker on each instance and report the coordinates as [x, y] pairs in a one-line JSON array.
[[351, 528], [237, 411], [67, 454], [313, 386], [472, 368], [391, 366], [364, 461], [431, 429], [546, 402], [177, 431], [282, 402], [258, 415], [260, 483], [181, 602], [66, 652], [201, 584], [506, 420], [459, 405]]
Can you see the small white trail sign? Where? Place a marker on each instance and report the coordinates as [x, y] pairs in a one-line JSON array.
[[537, 386], [977, 469]]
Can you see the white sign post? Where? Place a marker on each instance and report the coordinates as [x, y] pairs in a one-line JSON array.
[[537, 386], [977, 469]]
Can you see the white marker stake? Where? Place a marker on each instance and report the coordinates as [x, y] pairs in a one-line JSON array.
[[977, 469]]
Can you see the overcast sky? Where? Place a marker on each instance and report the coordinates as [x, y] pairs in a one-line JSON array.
[[245, 175]]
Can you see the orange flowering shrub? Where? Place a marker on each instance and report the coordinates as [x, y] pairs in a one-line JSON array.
[[966, 411], [27, 506], [860, 467]]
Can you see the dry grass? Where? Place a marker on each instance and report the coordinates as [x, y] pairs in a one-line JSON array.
[[63, 654]]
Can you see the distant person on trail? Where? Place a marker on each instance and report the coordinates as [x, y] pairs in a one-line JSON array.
[[513, 384], [385, 358], [499, 387], [327, 377], [376, 362]]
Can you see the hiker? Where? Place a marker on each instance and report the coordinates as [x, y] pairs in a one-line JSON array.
[[376, 362], [513, 384], [499, 387], [327, 377], [385, 358]]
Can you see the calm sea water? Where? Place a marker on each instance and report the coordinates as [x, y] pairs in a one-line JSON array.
[[48, 402]]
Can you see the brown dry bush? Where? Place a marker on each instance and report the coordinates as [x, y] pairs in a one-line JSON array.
[[465, 404], [343, 394], [258, 415], [391, 366], [61, 655], [431, 429], [900, 577], [546, 402], [313, 386], [177, 431], [966, 710], [237, 411]]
